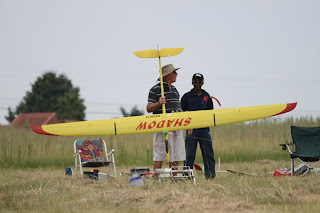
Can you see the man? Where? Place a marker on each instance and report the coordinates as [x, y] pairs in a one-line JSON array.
[[199, 99], [171, 101]]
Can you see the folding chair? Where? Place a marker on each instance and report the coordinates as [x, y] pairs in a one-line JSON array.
[[93, 153], [305, 146]]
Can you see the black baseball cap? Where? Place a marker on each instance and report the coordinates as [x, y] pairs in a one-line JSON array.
[[197, 75]]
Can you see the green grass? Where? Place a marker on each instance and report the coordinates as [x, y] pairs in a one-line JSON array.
[[242, 142]]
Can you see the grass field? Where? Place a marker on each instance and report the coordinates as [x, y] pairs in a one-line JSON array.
[[242, 142], [32, 176], [50, 190]]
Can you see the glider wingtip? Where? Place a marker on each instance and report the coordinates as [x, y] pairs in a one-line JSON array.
[[293, 105], [39, 130], [290, 107]]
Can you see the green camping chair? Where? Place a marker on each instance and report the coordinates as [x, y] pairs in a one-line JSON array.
[[305, 146]]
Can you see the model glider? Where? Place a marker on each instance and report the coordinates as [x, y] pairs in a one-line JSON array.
[[167, 121], [164, 122]]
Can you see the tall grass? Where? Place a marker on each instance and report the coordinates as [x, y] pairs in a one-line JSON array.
[[256, 140], [250, 141]]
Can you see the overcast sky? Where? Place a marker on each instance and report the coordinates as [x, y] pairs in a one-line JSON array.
[[250, 52]]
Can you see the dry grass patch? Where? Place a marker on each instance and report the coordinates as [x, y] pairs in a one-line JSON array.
[[43, 190]]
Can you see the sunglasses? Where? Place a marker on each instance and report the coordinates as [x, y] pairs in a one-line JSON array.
[[197, 82]]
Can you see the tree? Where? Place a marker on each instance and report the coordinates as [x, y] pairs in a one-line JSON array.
[[52, 93], [10, 116], [134, 112], [68, 103]]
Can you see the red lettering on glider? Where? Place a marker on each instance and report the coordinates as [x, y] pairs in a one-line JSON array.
[[161, 124], [187, 122], [179, 123], [152, 124], [170, 122], [142, 126]]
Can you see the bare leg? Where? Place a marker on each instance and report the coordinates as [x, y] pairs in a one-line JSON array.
[[156, 165], [175, 163]]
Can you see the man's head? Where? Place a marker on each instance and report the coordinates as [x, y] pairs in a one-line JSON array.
[[197, 80], [169, 73]]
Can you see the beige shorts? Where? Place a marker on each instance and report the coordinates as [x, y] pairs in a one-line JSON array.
[[176, 145]]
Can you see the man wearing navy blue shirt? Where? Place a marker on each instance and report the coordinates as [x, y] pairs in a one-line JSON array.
[[199, 99]]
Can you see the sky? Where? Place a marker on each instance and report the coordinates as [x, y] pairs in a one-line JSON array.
[[250, 52]]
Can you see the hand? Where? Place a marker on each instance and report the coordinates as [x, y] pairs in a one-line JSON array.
[[151, 107], [162, 100], [190, 131]]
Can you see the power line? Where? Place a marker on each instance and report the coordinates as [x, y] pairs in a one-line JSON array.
[[14, 101], [99, 113], [14, 98], [87, 112]]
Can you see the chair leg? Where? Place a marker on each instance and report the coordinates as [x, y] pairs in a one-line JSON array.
[[80, 165], [310, 168], [306, 172], [292, 167], [114, 166], [75, 166]]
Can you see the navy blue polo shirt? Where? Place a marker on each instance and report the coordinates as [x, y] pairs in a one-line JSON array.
[[190, 101], [172, 98]]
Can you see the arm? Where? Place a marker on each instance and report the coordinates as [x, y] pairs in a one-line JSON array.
[[184, 103], [210, 102], [184, 107], [151, 107]]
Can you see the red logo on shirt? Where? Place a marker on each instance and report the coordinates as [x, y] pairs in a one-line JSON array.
[[205, 98]]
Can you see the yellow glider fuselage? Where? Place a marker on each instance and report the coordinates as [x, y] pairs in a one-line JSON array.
[[164, 122]]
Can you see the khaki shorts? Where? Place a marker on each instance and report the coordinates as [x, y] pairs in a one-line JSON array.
[[176, 145]]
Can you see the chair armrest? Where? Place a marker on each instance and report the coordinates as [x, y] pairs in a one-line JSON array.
[[110, 153], [285, 145], [77, 154]]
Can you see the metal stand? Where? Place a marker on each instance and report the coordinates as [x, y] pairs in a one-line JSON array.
[[176, 173], [219, 167]]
